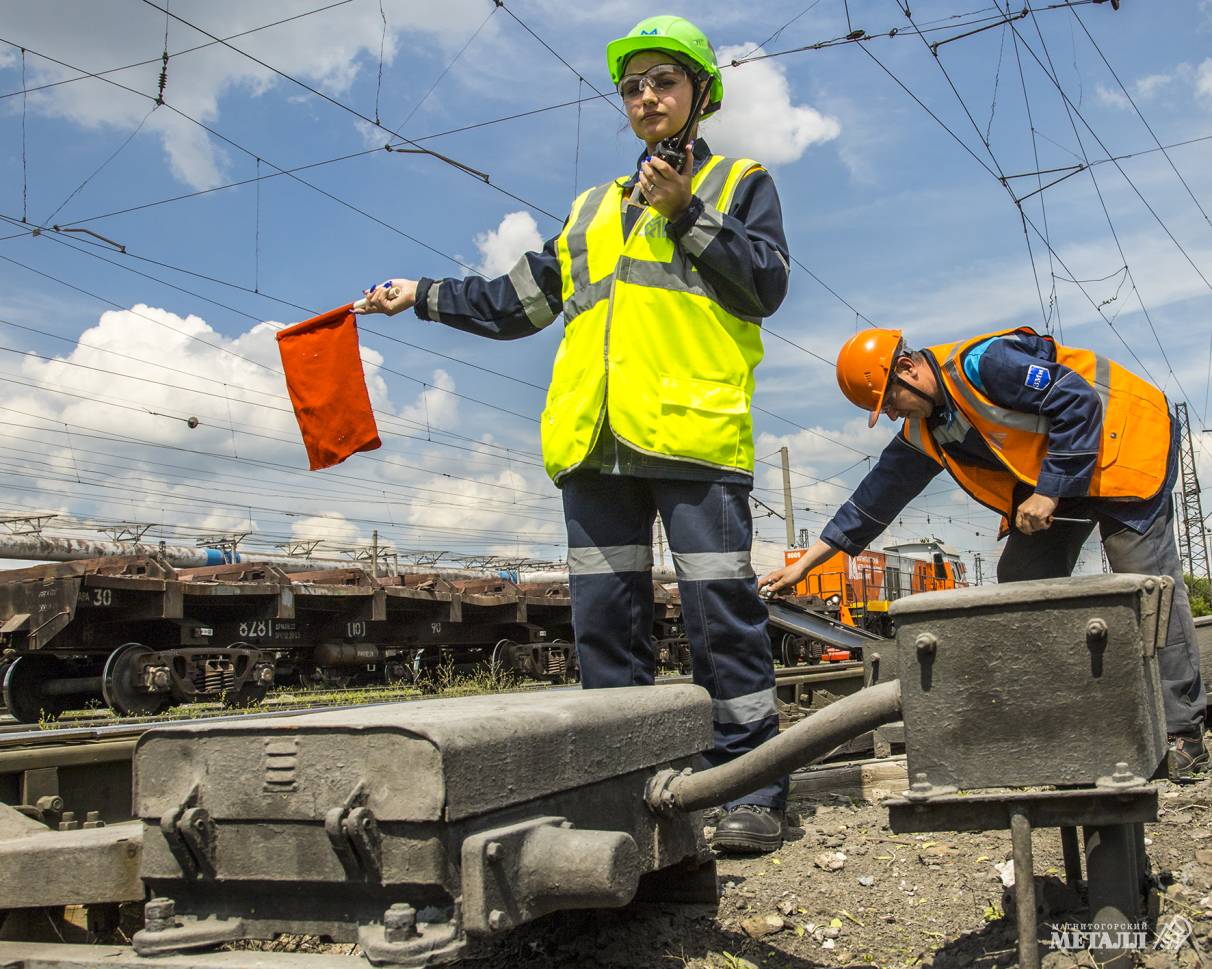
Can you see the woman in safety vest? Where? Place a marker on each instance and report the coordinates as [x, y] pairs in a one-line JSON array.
[[663, 279], [1053, 438]]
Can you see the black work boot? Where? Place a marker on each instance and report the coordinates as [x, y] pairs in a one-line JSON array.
[[1190, 755], [749, 828]]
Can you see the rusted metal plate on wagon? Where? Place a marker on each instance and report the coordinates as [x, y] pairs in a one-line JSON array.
[[421, 761], [1034, 683], [420, 589], [39, 602], [545, 594]]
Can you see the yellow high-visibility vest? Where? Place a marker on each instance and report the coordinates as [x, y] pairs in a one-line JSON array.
[[647, 345], [1133, 451]]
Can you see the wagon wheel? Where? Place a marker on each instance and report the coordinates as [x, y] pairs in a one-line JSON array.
[[499, 652], [119, 683], [249, 695], [23, 688], [572, 672], [793, 649], [397, 671]]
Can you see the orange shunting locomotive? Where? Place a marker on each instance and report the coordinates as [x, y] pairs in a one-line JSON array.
[[858, 588]]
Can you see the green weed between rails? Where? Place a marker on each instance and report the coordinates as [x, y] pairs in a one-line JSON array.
[[432, 683]]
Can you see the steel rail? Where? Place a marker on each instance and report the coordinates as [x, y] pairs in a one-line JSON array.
[[17, 736]]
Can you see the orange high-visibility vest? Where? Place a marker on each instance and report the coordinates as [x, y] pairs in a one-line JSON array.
[[1132, 453]]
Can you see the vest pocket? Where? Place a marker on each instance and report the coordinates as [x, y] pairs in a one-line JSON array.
[[701, 418], [1114, 419], [1136, 465]]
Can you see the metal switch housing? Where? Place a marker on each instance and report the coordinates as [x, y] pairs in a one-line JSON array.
[[1038, 683]]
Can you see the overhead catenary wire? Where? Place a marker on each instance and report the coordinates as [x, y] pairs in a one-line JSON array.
[[827, 361], [386, 421], [233, 353], [24, 157], [445, 70], [243, 429], [187, 498], [309, 311], [1042, 236], [375, 494], [1072, 110], [556, 54], [466, 169], [84, 430], [382, 43], [209, 129], [339, 158], [773, 333], [762, 44], [1148, 127], [342, 475], [861, 37], [86, 75], [100, 168], [1050, 73]]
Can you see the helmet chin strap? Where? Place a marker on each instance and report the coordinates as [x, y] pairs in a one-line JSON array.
[[914, 390]]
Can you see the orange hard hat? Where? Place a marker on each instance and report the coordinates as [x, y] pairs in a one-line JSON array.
[[864, 368]]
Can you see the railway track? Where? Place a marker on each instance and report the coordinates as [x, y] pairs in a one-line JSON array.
[[82, 772], [85, 729]]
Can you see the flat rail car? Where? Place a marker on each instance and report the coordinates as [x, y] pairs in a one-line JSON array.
[[137, 635]]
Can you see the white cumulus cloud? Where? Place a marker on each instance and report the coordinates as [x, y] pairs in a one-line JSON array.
[[758, 119], [501, 247], [1112, 98], [327, 51], [332, 531], [435, 406], [1149, 85], [1203, 82]]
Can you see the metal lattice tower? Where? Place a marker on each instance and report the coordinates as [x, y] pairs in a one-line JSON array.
[[1192, 539]]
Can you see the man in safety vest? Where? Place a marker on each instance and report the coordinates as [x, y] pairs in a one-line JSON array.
[[663, 279], [1038, 432]]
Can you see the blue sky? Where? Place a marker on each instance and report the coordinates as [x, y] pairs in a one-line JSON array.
[[880, 202]]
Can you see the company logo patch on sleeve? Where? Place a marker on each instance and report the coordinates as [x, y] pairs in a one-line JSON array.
[[1038, 377]]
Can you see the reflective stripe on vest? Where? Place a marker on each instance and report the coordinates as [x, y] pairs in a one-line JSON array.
[[1133, 449], [636, 311]]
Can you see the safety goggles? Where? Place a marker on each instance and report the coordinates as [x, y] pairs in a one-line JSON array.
[[661, 78]]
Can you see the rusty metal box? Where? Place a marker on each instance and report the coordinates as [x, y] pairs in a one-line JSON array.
[[1050, 682]]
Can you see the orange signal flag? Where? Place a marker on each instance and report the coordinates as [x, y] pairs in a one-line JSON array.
[[328, 387]]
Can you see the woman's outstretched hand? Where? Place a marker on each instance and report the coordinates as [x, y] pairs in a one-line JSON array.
[[390, 297]]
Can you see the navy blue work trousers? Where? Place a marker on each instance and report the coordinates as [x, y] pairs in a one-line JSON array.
[[710, 532]]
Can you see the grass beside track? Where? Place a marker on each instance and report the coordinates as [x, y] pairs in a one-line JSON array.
[[442, 681]]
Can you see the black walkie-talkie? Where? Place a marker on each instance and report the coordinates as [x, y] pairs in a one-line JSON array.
[[672, 150]]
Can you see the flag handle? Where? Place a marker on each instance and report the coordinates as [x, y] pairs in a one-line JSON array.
[[360, 304]]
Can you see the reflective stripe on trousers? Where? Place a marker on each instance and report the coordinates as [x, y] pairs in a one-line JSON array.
[[710, 534]]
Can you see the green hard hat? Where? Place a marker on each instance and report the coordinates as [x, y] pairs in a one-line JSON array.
[[676, 35]]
